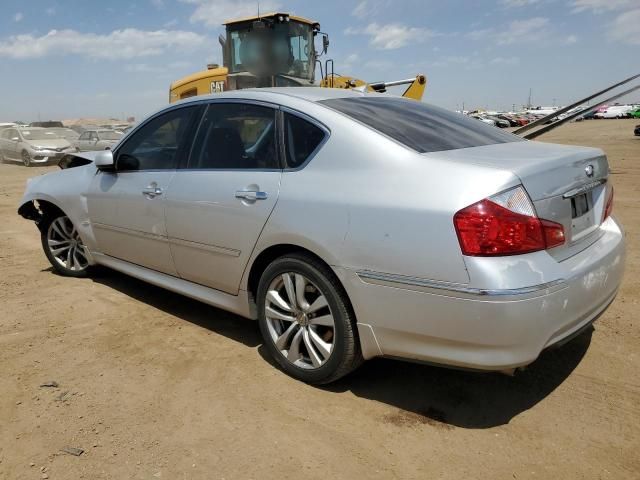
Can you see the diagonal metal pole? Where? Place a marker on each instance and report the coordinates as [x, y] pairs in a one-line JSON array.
[[569, 107], [553, 125]]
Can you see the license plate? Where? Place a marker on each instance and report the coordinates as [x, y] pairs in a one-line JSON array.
[[580, 204], [582, 214]]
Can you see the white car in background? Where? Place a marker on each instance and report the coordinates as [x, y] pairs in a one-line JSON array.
[[32, 145], [98, 139], [616, 111]]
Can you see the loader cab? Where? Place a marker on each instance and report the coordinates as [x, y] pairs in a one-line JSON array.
[[274, 50]]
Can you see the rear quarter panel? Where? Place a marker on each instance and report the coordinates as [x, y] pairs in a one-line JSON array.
[[367, 203]]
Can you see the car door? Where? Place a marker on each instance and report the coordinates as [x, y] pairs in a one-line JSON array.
[[126, 206], [5, 143], [82, 141], [10, 144], [217, 206]]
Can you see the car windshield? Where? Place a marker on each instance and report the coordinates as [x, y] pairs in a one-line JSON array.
[[421, 127], [38, 134], [109, 135], [65, 132]]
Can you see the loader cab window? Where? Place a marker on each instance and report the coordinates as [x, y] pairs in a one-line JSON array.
[[236, 136], [280, 49], [302, 138]]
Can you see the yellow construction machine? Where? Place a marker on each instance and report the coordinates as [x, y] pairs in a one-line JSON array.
[[276, 50]]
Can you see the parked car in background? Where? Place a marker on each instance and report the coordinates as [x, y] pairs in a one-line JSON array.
[[614, 111], [499, 122], [32, 145], [7, 124], [99, 139], [66, 133], [350, 225], [47, 124]]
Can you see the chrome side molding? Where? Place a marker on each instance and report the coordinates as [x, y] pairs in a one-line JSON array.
[[457, 290]]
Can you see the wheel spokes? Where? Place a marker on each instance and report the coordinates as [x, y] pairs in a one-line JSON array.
[[65, 245], [299, 320], [313, 355], [274, 297], [294, 348], [291, 291], [272, 313], [323, 347], [301, 284], [324, 320], [283, 340], [318, 303], [60, 230]]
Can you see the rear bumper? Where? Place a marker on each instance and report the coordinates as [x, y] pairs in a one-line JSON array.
[[484, 328]]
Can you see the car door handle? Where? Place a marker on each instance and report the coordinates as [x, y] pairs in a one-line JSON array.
[[152, 191], [251, 195]]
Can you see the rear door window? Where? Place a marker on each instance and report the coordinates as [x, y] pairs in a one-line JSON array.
[[301, 138], [236, 136], [421, 127]]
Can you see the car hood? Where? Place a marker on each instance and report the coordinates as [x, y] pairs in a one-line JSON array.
[[50, 142]]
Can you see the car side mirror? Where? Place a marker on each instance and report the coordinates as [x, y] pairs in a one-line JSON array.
[[104, 161]]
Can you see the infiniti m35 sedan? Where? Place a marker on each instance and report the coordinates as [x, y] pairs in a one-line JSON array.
[[350, 225]]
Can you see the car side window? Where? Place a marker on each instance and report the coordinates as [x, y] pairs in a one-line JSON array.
[[236, 136], [301, 139], [158, 145], [84, 136]]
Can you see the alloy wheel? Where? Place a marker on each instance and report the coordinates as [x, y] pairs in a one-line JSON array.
[[299, 320], [65, 245]]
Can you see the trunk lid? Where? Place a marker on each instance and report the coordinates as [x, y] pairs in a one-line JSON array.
[[567, 184]]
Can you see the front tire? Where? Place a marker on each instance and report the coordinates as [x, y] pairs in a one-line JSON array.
[[306, 320], [26, 158], [63, 246]]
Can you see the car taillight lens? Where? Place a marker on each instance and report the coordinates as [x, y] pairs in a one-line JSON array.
[[609, 206], [505, 224]]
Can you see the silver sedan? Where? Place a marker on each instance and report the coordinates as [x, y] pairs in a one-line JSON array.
[[349, 225]]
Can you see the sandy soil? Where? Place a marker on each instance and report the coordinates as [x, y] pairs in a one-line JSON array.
[[154, 385]]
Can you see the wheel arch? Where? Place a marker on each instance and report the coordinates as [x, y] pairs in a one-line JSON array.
[[271, 253], [37, 209]]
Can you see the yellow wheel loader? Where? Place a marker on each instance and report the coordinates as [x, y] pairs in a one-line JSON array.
[[276, 50]]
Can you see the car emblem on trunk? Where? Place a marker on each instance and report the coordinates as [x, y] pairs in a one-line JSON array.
[[589, 170]]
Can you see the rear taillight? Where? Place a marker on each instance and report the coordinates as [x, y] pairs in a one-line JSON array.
[[608, 206], [505, 224]]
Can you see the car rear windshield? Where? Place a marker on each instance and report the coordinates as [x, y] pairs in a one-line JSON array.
[[419, 126]]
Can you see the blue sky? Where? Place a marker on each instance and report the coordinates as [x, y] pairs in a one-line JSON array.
[[73, 58]]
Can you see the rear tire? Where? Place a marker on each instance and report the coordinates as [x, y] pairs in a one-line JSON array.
[[63, 246], [306, 320]]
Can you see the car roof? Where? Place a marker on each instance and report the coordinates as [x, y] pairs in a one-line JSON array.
[[312, 94]]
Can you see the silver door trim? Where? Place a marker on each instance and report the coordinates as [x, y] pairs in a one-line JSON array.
[[203, 246], [129, 231], [457, 290]]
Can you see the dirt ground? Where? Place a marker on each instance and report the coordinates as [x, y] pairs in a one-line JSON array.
[[154, 385]]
